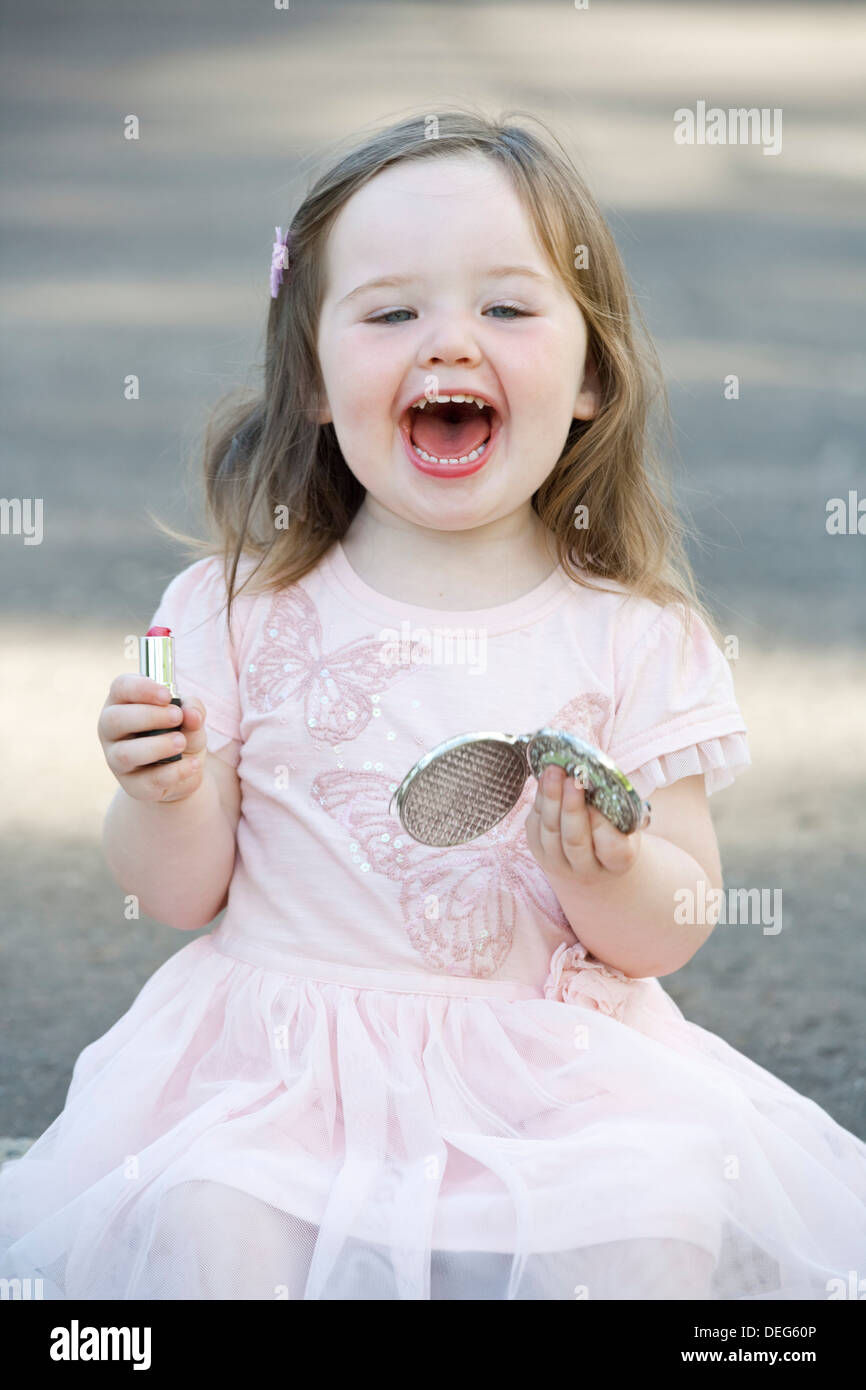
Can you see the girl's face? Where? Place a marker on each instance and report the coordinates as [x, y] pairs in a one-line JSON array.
[[448, 321]]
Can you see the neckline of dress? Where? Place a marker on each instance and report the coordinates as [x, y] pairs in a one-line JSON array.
[[498, 617]]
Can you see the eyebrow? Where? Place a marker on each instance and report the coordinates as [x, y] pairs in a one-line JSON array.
[[494, 272]]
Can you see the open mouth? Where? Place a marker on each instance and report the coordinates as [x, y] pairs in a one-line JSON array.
[[450, 429]]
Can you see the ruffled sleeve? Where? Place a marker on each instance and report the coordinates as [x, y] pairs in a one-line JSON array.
[[676, 712], [193, 607]]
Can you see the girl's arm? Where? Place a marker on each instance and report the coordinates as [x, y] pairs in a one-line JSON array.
[[177, 856], [619, 892], [169, 833]]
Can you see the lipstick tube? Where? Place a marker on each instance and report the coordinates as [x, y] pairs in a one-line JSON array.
[[156, 659]]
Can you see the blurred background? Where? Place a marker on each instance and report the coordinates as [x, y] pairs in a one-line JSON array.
[[151, 256]]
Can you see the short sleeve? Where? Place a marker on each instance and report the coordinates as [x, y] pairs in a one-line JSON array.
[[193, 607], [676, 712]]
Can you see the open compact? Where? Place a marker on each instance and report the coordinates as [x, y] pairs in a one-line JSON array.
[[467, 785]]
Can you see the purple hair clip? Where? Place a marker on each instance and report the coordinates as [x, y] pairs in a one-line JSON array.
[[279, 259]]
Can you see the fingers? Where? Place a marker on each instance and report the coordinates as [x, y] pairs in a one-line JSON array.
[[615, 850], [129, 689], [193, 726], [137, 705], [571, 838], [135, 763], [170, 782], [126, 755], [565, 833], [119, 721], [123, 721]]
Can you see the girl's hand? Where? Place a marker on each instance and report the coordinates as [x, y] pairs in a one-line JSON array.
[[136, 703], [574, 841]]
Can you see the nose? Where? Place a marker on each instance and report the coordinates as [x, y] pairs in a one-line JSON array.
[[450, 341]]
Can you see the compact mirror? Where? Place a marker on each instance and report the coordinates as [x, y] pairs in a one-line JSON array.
[[467, 785]]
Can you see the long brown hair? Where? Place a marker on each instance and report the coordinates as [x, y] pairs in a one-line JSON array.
[[267, 456]]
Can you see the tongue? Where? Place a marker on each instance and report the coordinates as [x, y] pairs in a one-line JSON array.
[[445, 438]]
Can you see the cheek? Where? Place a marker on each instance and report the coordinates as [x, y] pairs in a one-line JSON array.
[[363, 382], [543, 380], [537, 365]]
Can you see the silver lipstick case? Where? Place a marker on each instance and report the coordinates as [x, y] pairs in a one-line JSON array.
[[156, 660]]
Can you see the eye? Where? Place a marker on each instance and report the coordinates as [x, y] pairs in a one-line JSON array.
[[511, 310], [384, 318]]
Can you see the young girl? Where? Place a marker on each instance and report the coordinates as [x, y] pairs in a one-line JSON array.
[[394, 1070]]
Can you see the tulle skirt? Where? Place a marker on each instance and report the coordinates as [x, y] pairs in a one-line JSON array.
[[262, 1127]]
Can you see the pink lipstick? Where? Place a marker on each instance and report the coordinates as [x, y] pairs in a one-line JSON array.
[[156, 659]]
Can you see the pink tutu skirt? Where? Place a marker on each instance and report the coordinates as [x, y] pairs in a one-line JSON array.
[[259, 1126]]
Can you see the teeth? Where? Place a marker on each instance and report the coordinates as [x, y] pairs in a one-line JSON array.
[[442, 400], [466, 458]]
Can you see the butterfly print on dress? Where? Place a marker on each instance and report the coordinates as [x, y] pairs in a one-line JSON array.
[[460, 903], [585, 716], [335, 686]]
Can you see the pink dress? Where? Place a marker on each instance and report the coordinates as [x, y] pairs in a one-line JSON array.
[[391, 1070]]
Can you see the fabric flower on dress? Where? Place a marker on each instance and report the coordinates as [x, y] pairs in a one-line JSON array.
[[575, 977]]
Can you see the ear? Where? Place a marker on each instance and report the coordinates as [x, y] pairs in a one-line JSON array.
[[588, 400], [323, 414]]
